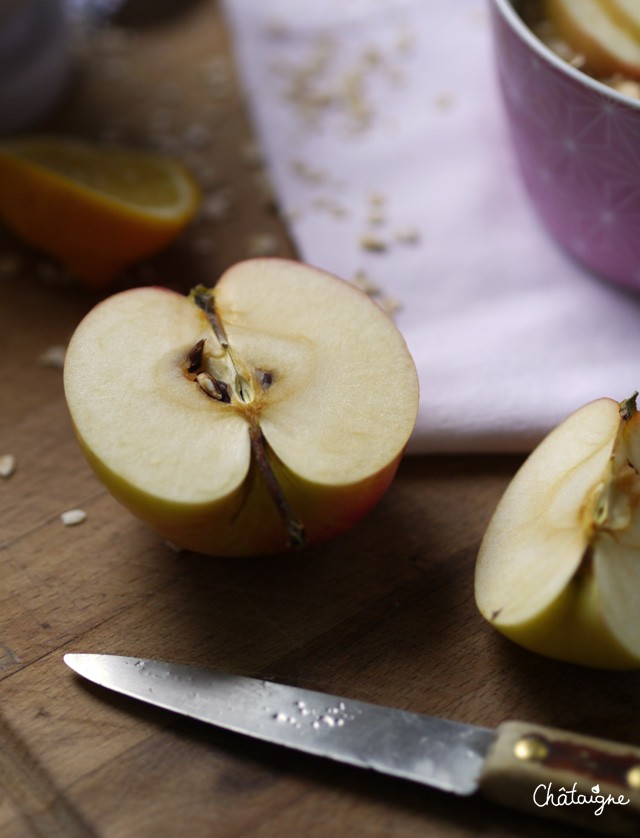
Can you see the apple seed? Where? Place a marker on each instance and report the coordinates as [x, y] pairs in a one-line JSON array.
[[195, 356], [213, 387], [265, 378]]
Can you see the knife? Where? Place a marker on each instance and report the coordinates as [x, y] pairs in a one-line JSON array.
[[538, 769]]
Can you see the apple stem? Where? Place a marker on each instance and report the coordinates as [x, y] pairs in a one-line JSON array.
[[203, 298], [628, 407], [296, 536]]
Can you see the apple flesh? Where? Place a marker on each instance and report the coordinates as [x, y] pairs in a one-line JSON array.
[[268, 413], [606, 32], [558, 570], [626, 13]]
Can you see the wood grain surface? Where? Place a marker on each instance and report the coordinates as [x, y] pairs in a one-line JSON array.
[[384, 614]]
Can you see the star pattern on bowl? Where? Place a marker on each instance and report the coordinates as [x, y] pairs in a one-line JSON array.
[[578, 146]]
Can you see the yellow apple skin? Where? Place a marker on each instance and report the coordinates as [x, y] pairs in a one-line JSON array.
[[572, 629], [246, 523], [599, 33]]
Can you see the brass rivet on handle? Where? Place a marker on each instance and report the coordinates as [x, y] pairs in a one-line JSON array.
[[530, 749], [633, 777]]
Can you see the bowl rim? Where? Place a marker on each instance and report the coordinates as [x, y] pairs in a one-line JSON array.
[[512, 18]]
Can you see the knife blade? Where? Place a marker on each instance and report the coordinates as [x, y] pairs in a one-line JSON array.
[[535, 768]]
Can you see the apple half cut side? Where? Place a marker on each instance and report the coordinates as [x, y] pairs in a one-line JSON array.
[[606, 32], [265, 414], [558, 570]]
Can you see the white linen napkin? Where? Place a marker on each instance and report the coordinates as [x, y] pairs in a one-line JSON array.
[[384, 136]]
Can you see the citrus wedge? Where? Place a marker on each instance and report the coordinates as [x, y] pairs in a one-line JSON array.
[[97, 209]]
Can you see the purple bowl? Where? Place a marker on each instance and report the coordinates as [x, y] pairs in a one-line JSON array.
[[577, 143]]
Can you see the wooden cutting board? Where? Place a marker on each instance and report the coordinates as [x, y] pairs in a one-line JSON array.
[[384, 614]]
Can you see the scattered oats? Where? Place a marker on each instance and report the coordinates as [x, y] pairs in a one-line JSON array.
[[406, 40], [267, 193], [561, 49], [277, 29], [10, 265], [252, 154], [356, 103], [377, 199], [176, 548], [444, 101], [7, 465], [407, 235], [73, 517], [362, 281], [217, 76], [293, 215], [629, 87], [203, 246], [53, 357], [372, 56], [196, 136], [544, 29], [216, 207], [372, 243], [208, 176], [262, 244], [390, 305], [396, 76], [308, 173], [329, 205], [376, 217], [578, 61]]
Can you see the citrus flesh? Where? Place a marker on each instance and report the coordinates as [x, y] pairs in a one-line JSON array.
[[97, 209]]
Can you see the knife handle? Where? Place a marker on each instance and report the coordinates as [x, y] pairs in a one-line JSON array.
[[579, 779]]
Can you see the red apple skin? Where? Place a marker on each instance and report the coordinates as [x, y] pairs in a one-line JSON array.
[[246, 523], [602, 60]]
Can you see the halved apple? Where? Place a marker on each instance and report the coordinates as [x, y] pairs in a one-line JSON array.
[[606, 32], [558, 570], [267, 413]]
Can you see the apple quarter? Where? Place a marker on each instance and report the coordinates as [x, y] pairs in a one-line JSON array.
[[558, 570]]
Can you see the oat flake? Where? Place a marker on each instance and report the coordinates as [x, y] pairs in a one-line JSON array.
[[7, 465], [72, 517], [53, 357]]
